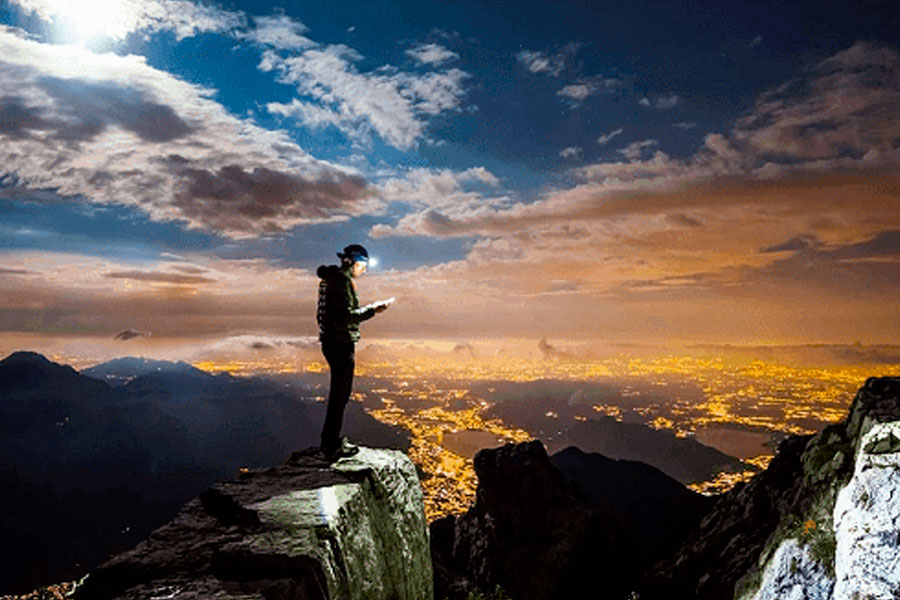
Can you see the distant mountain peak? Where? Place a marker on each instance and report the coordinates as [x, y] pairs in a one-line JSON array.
[[124, 369], [26, 370], [27, 356]]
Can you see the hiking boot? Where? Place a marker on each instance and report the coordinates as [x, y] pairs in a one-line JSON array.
[[344, 450]]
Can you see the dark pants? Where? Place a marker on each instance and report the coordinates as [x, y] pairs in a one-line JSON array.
[[341, 361]]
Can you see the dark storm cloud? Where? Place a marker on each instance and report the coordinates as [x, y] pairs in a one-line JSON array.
[[17, 119], [871, 267], [159, 277], [795, 244], [239, 199], [885, 244], [128, 334], [683, 219], [183, 158], [86, 109]]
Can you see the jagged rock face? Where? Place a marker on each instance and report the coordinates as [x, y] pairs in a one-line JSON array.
[[528, 532], [793, 573], [543, 528], [867, 520], [730, 538], [307, 530], [796, 531]]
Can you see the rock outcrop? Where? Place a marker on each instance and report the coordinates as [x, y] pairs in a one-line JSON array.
[[541, 531], [306, 530], [88, 470], [820, 523]]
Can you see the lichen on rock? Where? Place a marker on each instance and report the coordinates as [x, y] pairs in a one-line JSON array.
[[845, 520]]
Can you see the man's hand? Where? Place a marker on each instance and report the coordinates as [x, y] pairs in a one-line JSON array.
[[382, 305]]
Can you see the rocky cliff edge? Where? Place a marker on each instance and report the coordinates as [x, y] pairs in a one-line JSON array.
[[820, 523], [306, 530]]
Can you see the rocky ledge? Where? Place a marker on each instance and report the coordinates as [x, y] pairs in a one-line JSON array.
[[306, 530]]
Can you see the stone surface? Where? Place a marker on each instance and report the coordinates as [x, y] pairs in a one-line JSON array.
[[792, 574], [309, 529], [867, 520], [791, 514]]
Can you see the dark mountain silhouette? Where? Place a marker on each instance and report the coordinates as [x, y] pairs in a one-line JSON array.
[[560, 423], [658, 511], [584, 529], [87, 469], [120, 371]]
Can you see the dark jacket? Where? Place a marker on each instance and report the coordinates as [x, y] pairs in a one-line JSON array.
[[339, 313]]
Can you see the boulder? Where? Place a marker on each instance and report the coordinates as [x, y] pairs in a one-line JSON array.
[[306, 530]]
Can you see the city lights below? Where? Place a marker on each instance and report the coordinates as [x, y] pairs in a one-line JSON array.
[[741, 406]]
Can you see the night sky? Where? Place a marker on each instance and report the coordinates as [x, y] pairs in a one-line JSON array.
[[614, 171]]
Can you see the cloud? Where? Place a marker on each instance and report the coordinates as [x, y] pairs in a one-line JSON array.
[[662, 102], [538, 62], [228, 196], [635, 150], [128, 334], [118, 19], [578, 92], [756, 41], [571, 152], [79, 294], [607, 137], [278, 31], [160, 277], [548, 351], [113, 130], [394, 104], [86, 110], [552, 64], [683, 219], [715, 224], [839, 113], [685, 125], [431, 54], [795, 244], [438, 188], [436, 193], [6, 271]]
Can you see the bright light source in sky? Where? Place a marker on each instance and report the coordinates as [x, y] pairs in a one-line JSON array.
[[89, 19], [373, 262]]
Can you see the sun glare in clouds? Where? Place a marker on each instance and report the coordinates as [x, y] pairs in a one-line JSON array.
[[88, 20]]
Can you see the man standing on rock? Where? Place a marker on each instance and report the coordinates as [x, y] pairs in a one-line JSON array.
[[339, 315]]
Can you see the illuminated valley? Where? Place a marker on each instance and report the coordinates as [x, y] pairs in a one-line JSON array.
[[741, 406]]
